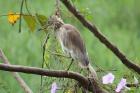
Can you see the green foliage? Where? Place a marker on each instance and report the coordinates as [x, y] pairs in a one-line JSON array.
[[42, 19], [31, 22], [4, 87]]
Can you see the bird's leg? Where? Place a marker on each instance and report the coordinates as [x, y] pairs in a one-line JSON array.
[[88, 72], [70, 64]]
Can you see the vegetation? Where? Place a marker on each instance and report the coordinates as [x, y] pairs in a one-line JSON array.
[[117, 20]]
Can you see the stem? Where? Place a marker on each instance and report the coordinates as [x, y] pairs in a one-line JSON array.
[[20, 15]]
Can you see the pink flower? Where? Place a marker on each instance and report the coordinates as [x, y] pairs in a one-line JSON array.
[[54, 87], [121, 85], [109, 78]]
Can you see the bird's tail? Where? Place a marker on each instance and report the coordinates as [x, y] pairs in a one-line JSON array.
[[92, 71]]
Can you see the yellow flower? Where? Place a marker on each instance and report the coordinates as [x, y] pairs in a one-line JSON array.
[[13, 17]]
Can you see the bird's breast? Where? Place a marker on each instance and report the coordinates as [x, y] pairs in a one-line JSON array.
[[61, 35]]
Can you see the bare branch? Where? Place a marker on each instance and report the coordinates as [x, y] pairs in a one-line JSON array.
[[92, 28], [16, 75], [32, 70], [53, 73], [44, 72]]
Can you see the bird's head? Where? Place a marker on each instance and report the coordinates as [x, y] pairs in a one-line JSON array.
[[55, 22]]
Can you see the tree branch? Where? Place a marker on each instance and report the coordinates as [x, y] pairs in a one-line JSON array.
[[16, 75], [87, 83], [44, 72], [53, 73], [92, 28]]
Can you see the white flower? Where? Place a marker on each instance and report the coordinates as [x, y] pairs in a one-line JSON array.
[[109, 78], [121, 85], [54, 87]]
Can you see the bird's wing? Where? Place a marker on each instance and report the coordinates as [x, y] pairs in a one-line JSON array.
[[74, 43], [74, 38]]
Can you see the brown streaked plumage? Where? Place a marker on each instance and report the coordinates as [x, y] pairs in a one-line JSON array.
[[71, 42]]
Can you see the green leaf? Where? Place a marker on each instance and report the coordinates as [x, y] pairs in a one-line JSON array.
[[42, 19], [31, 22]]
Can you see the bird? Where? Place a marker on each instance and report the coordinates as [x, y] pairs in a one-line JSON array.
[[71, 42]]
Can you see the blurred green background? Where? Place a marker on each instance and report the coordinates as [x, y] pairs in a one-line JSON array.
[[118, 20]]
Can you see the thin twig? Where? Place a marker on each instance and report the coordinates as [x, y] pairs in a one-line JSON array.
[[27, 7], [57, 11], [16, 14], [106, 70], [20, 19], [58, 54], [43, 54], [16, 75], [70, 64]]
